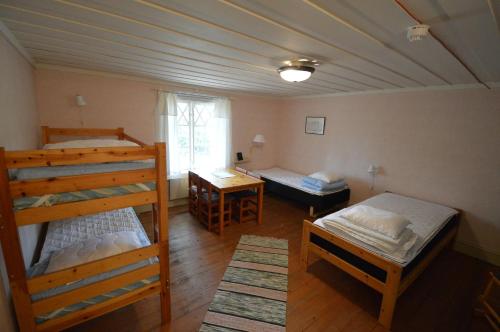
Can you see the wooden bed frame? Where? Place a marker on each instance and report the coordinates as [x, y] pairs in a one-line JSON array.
[[396, 282], [22, 287], [317, 204]]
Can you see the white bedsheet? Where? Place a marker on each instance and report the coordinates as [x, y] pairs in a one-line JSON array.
[[426, 218], [291, 179]]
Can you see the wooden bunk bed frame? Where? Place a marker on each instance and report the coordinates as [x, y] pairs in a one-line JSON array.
[[22, 288], [396, 279]]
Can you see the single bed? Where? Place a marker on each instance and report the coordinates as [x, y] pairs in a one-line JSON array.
[[289, 185], [435, 226]]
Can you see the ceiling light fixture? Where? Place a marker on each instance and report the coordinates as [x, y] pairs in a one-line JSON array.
[[297, 70]]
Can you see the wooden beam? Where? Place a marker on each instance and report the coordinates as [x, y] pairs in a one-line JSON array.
[[13, 256], [53, 157], [96, 310], [82, 208], [94, 289], [74, 273], [132, 139], [162, 224], [62, 184], [417, 270], [347, 267], [390, 295], [83, 131], [45, 135]]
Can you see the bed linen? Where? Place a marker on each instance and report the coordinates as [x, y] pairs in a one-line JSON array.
[[69, 170], [61, 234], [426, 218], [293, 180], [82, 195]]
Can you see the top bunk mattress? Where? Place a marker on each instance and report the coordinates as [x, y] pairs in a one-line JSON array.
[[426, 218], [292, 179], [82, 169]]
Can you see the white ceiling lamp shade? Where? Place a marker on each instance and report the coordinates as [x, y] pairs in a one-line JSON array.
[[297, 70], [295, 73]]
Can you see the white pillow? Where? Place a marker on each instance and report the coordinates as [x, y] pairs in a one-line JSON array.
[[89, 143], [382, 221], [326, 176], [92, 249]]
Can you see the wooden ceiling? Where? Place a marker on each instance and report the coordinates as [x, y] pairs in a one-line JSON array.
[[238, 44]]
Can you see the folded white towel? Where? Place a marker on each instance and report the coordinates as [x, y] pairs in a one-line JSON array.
[[365, 231], [384, 222], [399, 251]]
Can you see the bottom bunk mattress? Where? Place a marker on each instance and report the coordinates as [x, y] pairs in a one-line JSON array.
[[64, 233], [289, 185]]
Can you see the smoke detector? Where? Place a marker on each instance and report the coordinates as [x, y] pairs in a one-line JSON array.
[[416, 32]]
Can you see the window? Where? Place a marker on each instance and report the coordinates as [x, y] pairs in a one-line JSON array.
[[197, 130]]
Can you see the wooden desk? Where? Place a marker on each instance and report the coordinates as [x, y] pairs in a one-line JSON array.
[[238, 182]]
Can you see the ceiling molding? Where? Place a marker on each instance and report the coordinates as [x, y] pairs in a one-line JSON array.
[[14, 42], [494, 85]]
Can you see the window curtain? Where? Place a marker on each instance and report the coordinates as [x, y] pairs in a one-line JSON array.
[[166, 131], [197, 131]]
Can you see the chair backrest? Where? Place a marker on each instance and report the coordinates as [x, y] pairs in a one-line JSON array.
[[207, 187], [193, 179], [241, 170]]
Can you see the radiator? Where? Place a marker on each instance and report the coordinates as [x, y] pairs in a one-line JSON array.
[[178, 188]]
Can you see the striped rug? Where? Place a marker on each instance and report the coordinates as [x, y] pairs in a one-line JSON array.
[[252, 294]]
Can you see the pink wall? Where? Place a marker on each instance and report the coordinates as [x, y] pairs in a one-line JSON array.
[[442, 146], [18, 130], [130, 103]]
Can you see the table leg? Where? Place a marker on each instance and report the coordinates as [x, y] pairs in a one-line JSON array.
[[221, 212], [260, 203]]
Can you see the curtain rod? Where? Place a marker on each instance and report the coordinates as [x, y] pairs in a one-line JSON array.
[[195, 94]]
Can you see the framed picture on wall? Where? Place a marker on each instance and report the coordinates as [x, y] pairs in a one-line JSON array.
[[315, 125]]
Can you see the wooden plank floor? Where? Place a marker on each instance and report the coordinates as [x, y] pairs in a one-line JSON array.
[[323, 299]]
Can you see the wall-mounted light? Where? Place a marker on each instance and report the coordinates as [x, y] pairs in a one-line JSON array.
[[259, 139], [80, 101]]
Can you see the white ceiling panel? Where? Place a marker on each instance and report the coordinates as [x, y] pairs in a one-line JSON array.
[[236, 45]]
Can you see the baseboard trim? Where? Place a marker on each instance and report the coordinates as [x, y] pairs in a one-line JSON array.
[[476, 252]]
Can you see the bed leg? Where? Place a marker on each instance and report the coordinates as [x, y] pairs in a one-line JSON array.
[[304, 252], [390, 296]]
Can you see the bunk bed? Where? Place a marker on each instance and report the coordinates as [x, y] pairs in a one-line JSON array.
[[435, 227], [58, 189]]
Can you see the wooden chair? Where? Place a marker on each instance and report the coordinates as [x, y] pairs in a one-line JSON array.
[[208, 206], [245, 205], [194, 185]]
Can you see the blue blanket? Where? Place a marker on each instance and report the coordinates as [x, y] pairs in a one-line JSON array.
[[319, 185]]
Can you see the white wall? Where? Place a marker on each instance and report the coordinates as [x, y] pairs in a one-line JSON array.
[[442, 146], [18, 130]]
